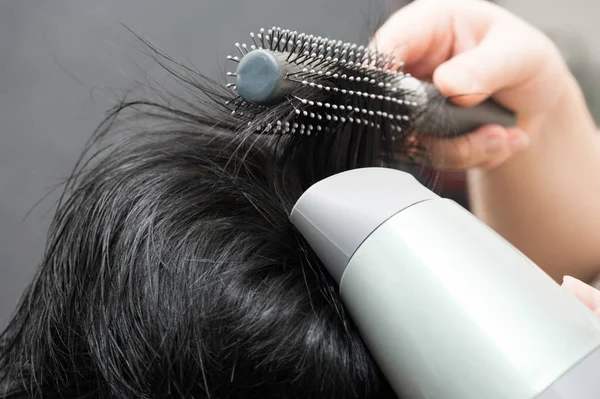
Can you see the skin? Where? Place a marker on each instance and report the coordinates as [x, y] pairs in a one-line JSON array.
[[585, 293], [534, 183]]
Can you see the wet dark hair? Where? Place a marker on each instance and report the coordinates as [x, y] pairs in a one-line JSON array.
[[172, 270]]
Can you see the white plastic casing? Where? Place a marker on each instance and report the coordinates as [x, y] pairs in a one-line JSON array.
[[447, 308]]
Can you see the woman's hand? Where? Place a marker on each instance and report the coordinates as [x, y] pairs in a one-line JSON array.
[[473, 49], [537, 184]]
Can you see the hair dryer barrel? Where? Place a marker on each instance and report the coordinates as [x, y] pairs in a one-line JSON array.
[[448, 308]]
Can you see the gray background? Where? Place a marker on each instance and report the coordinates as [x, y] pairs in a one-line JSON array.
[[62, 60]]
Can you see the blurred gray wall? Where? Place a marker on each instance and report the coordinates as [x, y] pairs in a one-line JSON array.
[[61, 62]]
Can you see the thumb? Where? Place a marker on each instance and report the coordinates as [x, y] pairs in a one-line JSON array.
[[478, 73]]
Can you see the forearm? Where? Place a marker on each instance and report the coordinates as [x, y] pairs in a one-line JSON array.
[[546, 200]]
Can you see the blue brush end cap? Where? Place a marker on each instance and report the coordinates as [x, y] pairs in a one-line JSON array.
[[258, 75]]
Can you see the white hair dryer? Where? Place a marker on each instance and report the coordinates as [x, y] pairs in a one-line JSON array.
[[447, 307]]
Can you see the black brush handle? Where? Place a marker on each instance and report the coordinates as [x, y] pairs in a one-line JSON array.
[[465, 120], [442, 118]]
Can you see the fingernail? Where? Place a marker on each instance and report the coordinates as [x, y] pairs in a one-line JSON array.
[[585, 292], [493, 144], [461, 80], [567, 282], [519, 142], [458, 79]]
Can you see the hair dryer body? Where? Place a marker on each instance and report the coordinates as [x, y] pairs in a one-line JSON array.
[[448, 308]]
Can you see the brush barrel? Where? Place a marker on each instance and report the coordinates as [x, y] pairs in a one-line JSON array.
[[264, 78]]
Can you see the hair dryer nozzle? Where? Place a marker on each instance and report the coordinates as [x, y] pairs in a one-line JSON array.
[[337, 214]]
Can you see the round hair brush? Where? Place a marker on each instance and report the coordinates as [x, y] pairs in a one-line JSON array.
[[324, 83]]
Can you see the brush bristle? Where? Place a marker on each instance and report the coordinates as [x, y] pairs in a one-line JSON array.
[[336, 86]]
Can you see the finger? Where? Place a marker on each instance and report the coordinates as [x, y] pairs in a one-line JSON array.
[[584, 292], [489, 68], [418, 34], [487, 148]]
